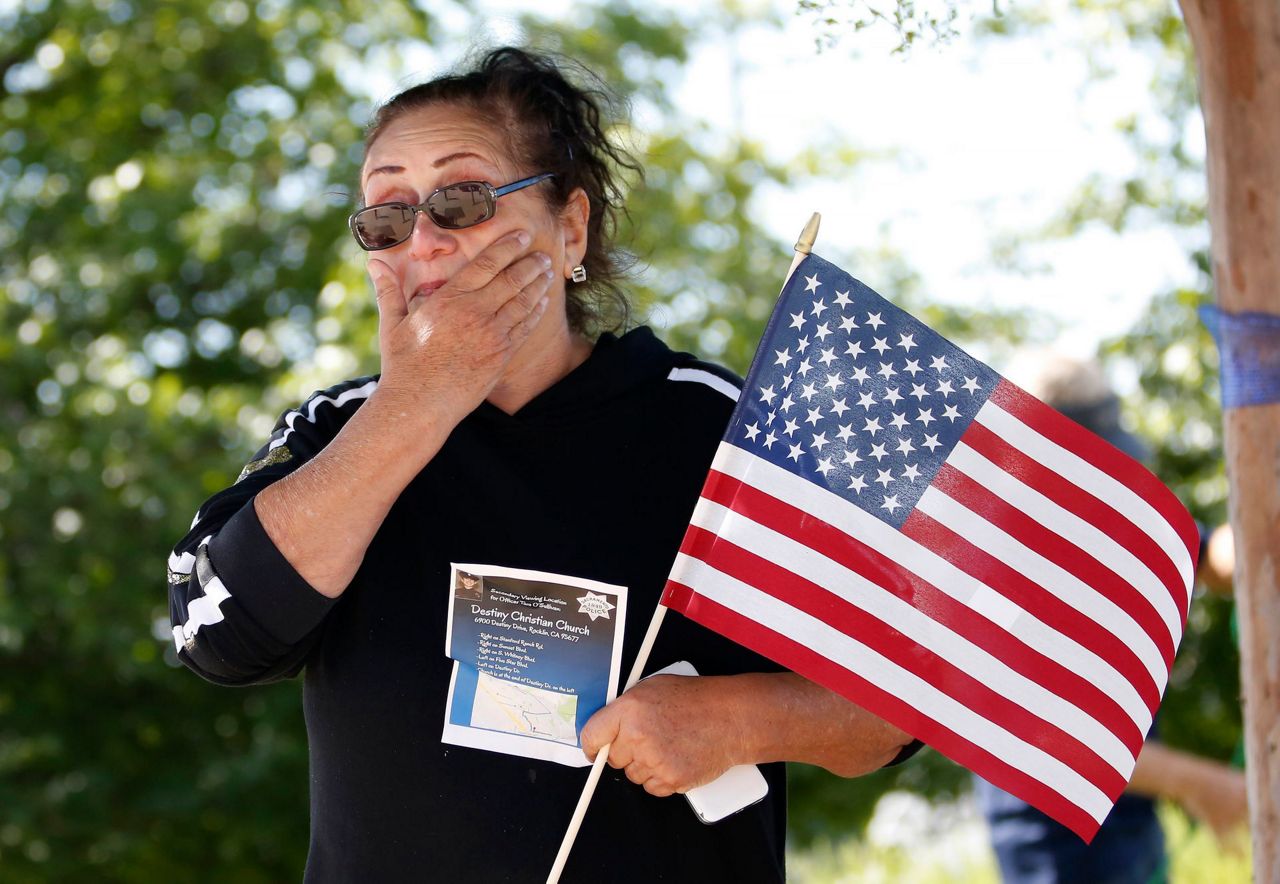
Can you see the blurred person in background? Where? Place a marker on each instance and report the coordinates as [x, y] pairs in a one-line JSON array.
[[1129, 848]]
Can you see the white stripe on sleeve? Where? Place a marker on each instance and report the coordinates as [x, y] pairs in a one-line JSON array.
[[701, 376]]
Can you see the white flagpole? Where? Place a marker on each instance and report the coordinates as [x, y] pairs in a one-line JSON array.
[[803, 247], [602, 757]]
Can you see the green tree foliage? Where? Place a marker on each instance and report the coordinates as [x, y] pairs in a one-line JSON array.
[[175, 270], [1178, 409], [165, 232], [1176, 406]]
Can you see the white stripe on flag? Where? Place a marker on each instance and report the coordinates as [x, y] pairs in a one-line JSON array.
[[994, 541], [886, 675], [935, 570], [1079, 471], [1072, 528], [915, 625]]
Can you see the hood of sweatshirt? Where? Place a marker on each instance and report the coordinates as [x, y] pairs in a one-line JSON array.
[[616, 366]]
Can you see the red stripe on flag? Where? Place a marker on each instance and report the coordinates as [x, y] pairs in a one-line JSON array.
[[947, 676], [1052, 546], [1111, 460], [817, 668], [1035, 600], [804, 595], [924, 596], [1083, 504]]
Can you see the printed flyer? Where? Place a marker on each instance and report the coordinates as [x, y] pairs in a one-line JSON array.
[[535, 655]]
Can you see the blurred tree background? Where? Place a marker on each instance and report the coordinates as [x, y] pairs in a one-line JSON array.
[[175, 270], [1167, 364], [1169, 354]]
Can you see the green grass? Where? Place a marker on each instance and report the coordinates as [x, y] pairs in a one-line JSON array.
[[921, 845], [1196, 857], [907, 840]]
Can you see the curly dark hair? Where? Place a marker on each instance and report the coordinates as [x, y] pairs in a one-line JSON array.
[[551, 125]]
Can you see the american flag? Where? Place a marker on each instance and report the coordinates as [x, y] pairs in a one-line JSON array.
[[891, 518]]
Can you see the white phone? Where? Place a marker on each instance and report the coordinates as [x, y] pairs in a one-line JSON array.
[[738, 787]]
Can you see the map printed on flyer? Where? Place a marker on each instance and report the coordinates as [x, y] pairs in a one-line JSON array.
[[535, 655]]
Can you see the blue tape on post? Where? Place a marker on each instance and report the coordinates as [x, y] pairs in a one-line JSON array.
[[1249, 346]]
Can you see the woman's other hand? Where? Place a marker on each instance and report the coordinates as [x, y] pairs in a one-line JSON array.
[[672, 733], [669, 733]]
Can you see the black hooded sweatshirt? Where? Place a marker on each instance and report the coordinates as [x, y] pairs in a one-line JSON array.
[[596, 477]]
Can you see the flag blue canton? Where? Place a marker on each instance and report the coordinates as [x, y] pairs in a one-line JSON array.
[[855, 395]]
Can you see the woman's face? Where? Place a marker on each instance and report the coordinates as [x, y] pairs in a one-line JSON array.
[[428, 149]]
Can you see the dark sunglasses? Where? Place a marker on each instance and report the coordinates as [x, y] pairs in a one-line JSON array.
[[452, 207]]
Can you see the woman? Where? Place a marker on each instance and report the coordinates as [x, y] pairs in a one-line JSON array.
[[575, 456]]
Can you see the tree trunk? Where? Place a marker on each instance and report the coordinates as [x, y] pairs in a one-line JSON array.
[[1237, 44]]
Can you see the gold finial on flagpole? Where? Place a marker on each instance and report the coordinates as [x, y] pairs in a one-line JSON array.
[[804, 245]]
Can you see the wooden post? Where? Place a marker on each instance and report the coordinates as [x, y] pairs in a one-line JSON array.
[[1237, 48]]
